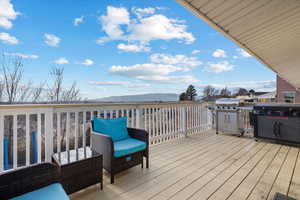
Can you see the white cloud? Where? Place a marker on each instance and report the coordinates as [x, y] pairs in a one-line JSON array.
[[218, 67], [147, 69], [160, 69], [7, 14], [219, 53], [196, 51], [179, 59], [143, 29], [51, 40], [61, 61], [6, 38], [141, 12], [170, 79], [133, 47], [111, 23], [24, 56], [86, 62], [159, 27], [119, 83], [243, 53], [78, 20]]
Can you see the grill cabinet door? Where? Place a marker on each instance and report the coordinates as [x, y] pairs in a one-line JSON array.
[[289, 130]]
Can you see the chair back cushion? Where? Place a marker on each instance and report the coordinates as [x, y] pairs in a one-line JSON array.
[[128, 146], [116, 127]]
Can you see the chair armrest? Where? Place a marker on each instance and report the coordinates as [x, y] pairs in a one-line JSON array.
[[139, 134], [17, 182], [102, 144]]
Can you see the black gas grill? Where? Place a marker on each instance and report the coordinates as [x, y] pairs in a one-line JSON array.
[[280, 122]]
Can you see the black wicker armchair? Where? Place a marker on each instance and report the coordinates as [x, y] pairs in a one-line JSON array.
[[104, 145], [28, 179]]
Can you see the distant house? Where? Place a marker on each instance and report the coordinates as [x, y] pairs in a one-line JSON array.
[[267, 97], [259, 97], [286, 93]]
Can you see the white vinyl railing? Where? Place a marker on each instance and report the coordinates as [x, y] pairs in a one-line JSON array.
[[67, 126]]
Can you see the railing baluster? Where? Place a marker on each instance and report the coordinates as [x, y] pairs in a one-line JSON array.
[[132, 118], [156, 121], [68, 127], [111, 114], [15, 139], [170, 122], [27, 139], [149, 123], [48, 131], [174, 121], [153, 124], [127, 115], [163, 124], [194, 119], [76, 130], [145, 119], [83, 129], [137, 118], [58, 132], [39, 137], [117, 113], [160, 123], [1, 142]]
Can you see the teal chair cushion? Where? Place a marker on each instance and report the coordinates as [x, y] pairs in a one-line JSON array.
[[128, 146], [116, 128], [50, 192]]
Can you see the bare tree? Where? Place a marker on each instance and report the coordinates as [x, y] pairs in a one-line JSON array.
[[71, 94], [209, 91], [37, 92], [57, 93], [225, 92], [24, 92], [12, 74], [2, 87]]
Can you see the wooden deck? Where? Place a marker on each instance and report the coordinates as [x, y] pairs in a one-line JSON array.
[[207, 166]]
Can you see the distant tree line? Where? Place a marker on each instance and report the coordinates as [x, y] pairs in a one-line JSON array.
[[210, 93], [14, 89]]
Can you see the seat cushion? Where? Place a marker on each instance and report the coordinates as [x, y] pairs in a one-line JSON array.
[[116, 128], [50, 192], [128, 146]]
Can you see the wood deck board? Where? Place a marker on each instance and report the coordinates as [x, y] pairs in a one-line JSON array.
[[284, 177], [264, 185], [207, 166]]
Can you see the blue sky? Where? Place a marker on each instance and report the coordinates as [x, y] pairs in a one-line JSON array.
[[117, 47]]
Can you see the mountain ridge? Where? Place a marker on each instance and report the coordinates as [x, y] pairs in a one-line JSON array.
[[148, 97]]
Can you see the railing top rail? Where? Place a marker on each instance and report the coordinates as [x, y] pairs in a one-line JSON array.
[[74, 105]]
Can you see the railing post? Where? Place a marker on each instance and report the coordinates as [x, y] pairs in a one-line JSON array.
[[49, 134], [184, 111], [139, 117]]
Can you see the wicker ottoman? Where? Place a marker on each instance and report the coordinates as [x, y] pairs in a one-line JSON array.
[[79, 168]]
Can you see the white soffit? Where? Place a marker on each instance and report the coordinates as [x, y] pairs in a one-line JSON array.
[[267, 29]]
